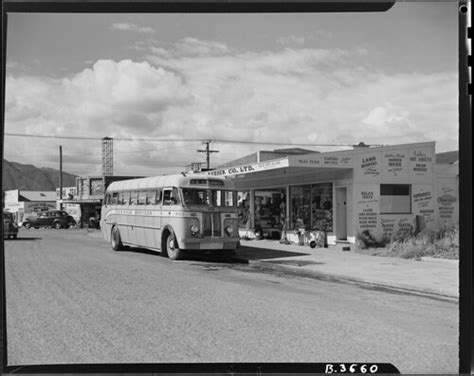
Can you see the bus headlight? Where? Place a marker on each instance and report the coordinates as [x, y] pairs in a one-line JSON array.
[[194, 230], [229, 230]]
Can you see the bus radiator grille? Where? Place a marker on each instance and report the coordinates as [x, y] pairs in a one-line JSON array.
[[211, 224]]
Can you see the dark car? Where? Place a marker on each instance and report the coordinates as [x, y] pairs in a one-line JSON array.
[[50, 218], [10, 229]]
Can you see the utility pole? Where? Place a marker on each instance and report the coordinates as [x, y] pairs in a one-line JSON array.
[[60, 177], [208, 152]]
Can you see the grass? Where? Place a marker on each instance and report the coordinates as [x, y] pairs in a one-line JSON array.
[[437, 243]]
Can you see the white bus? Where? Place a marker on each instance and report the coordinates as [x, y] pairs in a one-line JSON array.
[[171, 213]]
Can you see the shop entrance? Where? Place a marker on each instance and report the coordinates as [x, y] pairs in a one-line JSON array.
[[341, 213]]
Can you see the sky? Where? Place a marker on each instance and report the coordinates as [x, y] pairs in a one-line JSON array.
[[162, 84]]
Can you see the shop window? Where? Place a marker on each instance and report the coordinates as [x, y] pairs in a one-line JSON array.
[[321, 207], [270, 211], [395, 199], [300, 207]]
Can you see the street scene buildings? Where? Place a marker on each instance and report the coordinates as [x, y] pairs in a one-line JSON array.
[[298, 171]]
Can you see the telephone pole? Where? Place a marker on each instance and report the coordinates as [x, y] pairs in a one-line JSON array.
[[208, 152]]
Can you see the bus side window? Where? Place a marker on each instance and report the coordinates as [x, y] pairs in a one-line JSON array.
[[133, 197], [120, 198], [168, 198], [107, 198], [126, 198], [114, 198], [150, 197], [159, 196], [141, 197]]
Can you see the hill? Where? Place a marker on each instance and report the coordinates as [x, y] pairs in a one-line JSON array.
[[447, 157], [30, 178]]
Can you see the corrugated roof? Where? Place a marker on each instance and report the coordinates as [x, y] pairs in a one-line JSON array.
[[37, 196]]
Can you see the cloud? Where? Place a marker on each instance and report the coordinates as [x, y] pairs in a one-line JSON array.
[[197, 89], [131, 27]]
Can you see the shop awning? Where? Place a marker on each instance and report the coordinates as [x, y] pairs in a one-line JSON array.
[[319, 161]]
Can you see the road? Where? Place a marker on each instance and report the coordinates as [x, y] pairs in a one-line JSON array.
[[71, 299]]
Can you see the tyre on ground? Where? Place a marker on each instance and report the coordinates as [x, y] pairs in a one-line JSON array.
[[115, 239]]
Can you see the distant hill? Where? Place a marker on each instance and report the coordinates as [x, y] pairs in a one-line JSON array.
[[447, 157], [31, 178]]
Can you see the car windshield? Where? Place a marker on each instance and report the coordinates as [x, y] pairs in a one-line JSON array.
[[214, 197]]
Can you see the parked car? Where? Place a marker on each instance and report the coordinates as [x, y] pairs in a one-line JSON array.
[[10, 229], [51, 218]]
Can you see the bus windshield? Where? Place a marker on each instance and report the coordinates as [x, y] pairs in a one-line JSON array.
[[214, 197]]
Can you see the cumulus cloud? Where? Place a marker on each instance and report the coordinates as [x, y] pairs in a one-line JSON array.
[[202, 89], [132, 27]]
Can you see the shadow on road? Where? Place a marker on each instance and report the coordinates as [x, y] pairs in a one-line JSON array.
[[241, 255], [254, 253]]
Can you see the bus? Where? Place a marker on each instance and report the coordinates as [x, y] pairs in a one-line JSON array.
[[171, 214]]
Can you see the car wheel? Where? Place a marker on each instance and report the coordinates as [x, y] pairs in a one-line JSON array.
[[57, 225], [172, 250], [115, 239], [27, 225]]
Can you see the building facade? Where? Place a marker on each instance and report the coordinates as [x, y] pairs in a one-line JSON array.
[[28, 203], [380, 190]]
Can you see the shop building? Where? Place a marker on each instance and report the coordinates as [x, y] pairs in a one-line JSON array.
[[28, 203], [382, 190]]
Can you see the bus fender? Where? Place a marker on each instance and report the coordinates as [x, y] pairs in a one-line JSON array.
[[168, 229]]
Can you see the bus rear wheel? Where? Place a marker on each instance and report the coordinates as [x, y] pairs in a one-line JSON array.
[[115, 239], [172, 250]]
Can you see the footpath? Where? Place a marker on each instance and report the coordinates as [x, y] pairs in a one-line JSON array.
[[436, 278]]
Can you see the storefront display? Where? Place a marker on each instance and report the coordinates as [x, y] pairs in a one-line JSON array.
[[311, 207], [269, 212]]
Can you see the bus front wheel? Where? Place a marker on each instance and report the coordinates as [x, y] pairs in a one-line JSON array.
[[172, 250], [115, 240]]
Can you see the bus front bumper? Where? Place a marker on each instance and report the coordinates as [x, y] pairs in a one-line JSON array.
[[209, 244]]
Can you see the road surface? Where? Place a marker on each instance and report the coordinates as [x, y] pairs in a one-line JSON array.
[[71, 299]]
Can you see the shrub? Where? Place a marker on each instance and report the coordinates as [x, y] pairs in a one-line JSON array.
[[441, 243]]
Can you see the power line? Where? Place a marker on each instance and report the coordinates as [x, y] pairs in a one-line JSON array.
[[188, 140]]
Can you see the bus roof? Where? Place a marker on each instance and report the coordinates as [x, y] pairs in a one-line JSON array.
[[178, 180]]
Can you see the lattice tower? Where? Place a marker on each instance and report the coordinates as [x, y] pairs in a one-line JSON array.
[[107, 156]]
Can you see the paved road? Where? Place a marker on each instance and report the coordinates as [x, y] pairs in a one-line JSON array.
[[71, 299]]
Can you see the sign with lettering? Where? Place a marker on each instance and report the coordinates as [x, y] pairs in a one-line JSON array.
[[447, 203], [421, 162], [422, 202], [321, 160], [367, 207], [254, 167], [395, 164], [369, 166]]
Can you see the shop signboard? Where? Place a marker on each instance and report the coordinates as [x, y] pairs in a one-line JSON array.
[[395, 164], [367, 205], [69, 193], [321, 160], [250, 168], [421, 162], [422, 202], [369, 166], [447, 201]]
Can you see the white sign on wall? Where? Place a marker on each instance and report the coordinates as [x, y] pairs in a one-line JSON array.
[[395, 164], [369, 166], [422, 202], [367, 205], [421, 162]]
